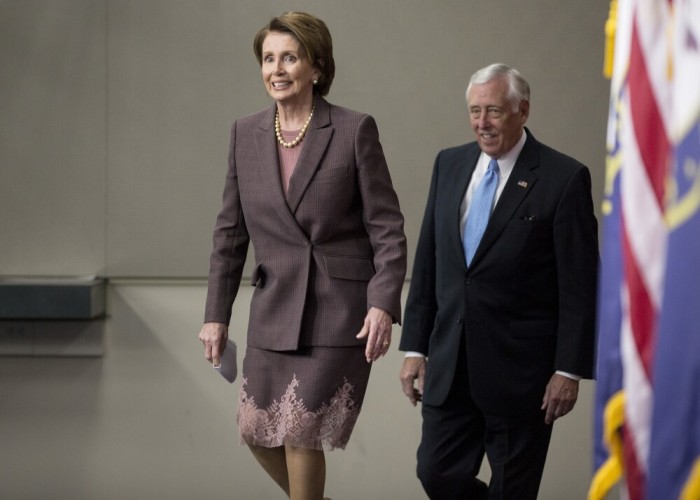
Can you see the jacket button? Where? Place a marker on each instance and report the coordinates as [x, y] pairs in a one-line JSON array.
[[468, 281]]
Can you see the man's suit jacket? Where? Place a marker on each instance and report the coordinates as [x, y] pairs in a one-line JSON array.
[[526, 305], [326, 251]]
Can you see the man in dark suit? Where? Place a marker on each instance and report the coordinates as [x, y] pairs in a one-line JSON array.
[[498, 336]]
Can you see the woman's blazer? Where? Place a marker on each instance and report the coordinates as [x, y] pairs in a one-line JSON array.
[[326, 251]]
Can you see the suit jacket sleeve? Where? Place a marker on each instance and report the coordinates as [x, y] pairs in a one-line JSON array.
[[576, 246], [229, 249], [383, 221], [421, 305]]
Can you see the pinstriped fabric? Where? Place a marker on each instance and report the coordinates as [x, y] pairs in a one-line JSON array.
[[326, 249], [310, 398]]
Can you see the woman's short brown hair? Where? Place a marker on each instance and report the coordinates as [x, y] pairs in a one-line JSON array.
[[315, 43]]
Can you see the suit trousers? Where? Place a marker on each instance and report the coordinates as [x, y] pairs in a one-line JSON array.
[[457, 434]]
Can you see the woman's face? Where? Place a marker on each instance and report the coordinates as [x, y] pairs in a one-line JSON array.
[[287, 77]]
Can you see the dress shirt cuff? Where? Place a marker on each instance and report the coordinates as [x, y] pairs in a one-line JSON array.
[[569, 375], [414, 354]]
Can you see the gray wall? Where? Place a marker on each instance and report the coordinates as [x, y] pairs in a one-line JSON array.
[[115, 114], [114, 122]]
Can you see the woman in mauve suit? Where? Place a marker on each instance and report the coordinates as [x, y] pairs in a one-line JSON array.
[[308, 185]]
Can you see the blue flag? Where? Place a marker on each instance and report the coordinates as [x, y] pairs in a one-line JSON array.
[[675, 437]]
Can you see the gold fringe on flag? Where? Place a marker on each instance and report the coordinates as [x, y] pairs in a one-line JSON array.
[[610, 29], [610, 472], [691, 491]]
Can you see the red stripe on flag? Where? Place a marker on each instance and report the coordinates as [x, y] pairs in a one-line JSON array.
[[642, 313], [649, 129], [634, 477]]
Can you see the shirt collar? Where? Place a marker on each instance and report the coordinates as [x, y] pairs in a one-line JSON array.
[[507, 160]]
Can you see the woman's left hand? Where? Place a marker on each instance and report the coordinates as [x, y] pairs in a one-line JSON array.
[[377, 331]]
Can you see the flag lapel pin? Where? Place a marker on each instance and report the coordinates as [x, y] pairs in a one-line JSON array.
[[522, 184]]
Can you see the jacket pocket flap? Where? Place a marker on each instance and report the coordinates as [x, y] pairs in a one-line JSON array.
[[257, 279], [349, 268]]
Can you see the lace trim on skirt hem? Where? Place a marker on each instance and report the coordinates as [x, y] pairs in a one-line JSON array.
[[289, 422]]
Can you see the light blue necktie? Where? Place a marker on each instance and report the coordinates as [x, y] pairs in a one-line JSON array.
[[480, 210]]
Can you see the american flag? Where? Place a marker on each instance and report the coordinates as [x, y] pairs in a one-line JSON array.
[[648, 389]]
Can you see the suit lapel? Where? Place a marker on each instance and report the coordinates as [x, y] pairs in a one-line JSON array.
[[520, 183], [269, 159], [270, 168], [464, 170], [314, 146]]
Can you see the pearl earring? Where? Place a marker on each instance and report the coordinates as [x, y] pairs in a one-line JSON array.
[[315, 82]]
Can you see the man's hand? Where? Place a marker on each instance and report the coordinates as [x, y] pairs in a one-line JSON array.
[[413, 369], [214, 336], [559, 397]]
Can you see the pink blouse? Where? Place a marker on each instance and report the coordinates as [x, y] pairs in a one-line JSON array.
[[288, 157]]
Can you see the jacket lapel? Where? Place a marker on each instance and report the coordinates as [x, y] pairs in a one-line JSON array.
[[314, 146], [520, 183], [463, 174], [266, 143], [269, 159]]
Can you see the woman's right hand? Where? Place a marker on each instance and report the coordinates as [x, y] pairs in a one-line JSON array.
[[214, 336]]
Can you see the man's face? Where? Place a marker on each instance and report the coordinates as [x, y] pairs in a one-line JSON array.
[[496, 125]]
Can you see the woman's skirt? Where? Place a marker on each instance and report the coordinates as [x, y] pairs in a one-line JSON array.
[[309, 398]]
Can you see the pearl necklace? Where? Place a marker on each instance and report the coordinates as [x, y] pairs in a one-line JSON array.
[[301, 134]]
